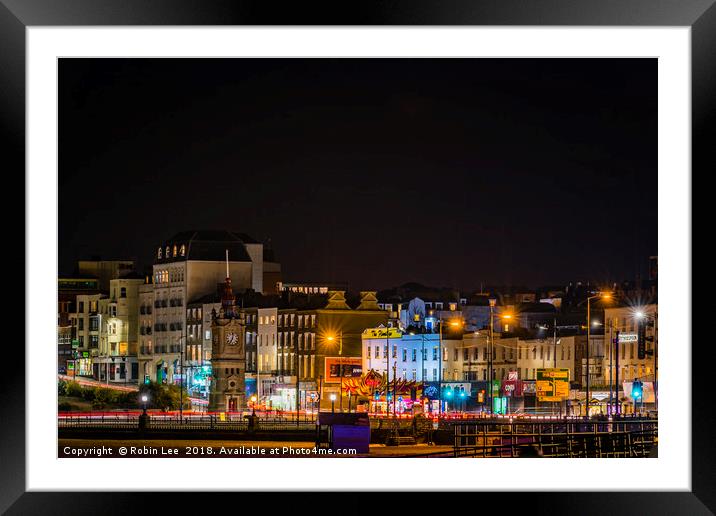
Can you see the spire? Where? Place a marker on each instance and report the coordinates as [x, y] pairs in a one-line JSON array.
[[227, 296]]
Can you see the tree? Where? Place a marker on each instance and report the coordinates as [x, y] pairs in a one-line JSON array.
[[163, 396]]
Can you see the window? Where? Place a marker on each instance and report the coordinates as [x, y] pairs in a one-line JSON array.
[[415, 357], [159, 253], [182, 250], [174, 250], [445, 354], [435, 374], [453, 307], [167, 252], [519, 353], [395, 351], [81, 308], [465, 354], [405, 355]]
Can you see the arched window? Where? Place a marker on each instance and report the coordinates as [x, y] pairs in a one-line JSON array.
[[159, 253], [182, 250], [167, 252], [174, 250]]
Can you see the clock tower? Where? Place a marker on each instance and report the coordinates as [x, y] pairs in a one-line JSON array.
[[228, 357]]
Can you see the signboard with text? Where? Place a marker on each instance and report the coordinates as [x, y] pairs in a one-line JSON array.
[[346, 367], [552, 384]]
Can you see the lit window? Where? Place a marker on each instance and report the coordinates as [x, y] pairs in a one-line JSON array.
[[174, 251], [167, 252], [159, 253], [182, 250]]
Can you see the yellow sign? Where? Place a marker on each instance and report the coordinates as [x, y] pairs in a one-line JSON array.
[[222, 416], [393, 333], [552, 384]]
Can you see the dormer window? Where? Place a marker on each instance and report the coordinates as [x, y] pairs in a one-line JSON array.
[[159, 253], [167, 253], [182, 250], [174, 251]]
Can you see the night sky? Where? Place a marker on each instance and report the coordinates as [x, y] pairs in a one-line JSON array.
[[373, 172]]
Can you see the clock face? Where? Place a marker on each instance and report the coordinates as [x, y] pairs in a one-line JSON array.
[[232, 339]]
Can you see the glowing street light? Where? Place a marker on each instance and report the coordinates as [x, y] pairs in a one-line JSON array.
[[339, 338], [333, 403], [253, 405], [602, 295]]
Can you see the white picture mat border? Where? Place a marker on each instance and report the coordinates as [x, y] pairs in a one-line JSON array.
[[671, 471]]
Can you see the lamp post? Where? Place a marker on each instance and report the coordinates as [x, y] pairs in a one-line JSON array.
[[455, 324], [333, 403], [181, 379], [491, 349], [642, 315], [145, 398], [253, 405], [602, 295], [331, 338]]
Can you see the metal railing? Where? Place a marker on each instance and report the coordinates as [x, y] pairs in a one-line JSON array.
[[557, 438], [232, 422]]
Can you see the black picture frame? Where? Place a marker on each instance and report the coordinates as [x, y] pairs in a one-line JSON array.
[[699, 15]]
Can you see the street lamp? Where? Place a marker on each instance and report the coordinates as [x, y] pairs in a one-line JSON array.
[[333, 403], [491, 348], [332, 338], [253, 405], [601, 295], [145, 398], [455, 323]]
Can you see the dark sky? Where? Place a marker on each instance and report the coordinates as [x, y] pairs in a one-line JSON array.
[[373, 172]]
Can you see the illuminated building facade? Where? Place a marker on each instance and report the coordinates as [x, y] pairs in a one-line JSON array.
[[187, 267]]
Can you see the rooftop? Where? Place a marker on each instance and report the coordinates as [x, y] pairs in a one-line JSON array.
[[205, 245]]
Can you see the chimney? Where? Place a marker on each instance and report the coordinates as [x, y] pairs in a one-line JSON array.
[[368, 300], [337, 300]]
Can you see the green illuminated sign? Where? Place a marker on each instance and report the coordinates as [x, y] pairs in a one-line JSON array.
[[499, 405]]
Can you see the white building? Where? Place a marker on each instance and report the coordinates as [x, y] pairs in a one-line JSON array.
[[188, 266], [116, 360]]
